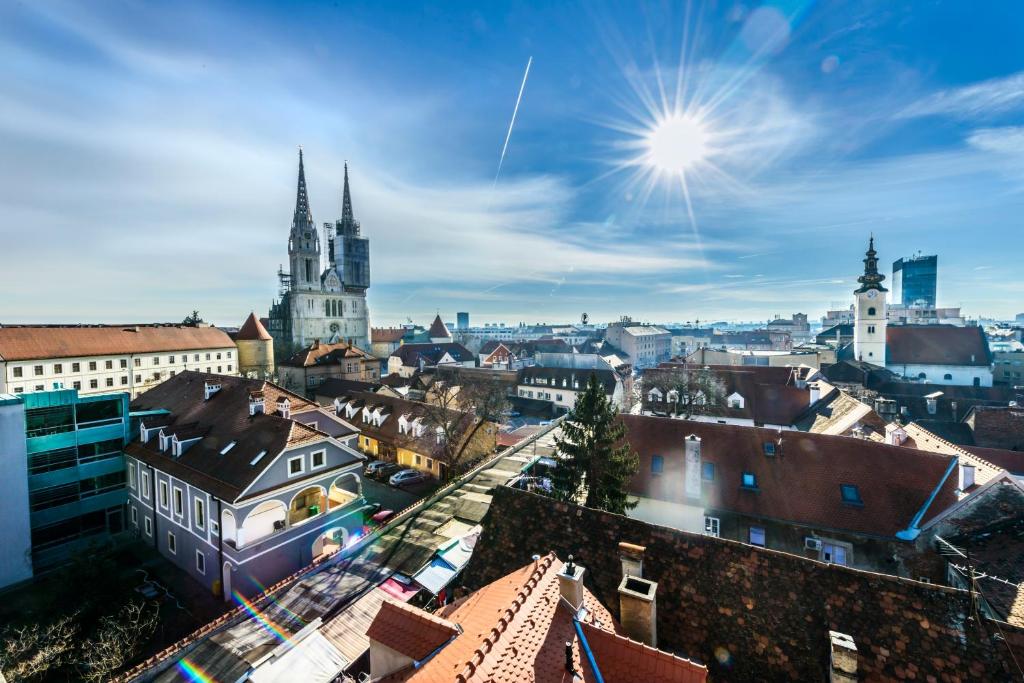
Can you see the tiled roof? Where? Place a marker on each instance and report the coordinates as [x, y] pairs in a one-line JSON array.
[[936, 345], [221, 420], [438, 329], [800, 483], [252, 330], [410, 354], [1011, 461], [922, 439], [319, 353], [998, 427], [394, 408], [336, 386], [387, 334], [839, 413], [626, 661], [30, 343], [410, 631], [530, 377]]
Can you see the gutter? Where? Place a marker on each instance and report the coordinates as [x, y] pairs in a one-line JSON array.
[[220, 550], [585, 646], [152, 498], [914, 530]]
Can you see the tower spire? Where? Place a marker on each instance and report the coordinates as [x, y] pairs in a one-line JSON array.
[[871, 279], [346, 201], [303, 218]]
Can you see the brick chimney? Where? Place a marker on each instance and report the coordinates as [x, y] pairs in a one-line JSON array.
[[842, 657], [570, 585], [693, 467], [638, 609], [632, 558]]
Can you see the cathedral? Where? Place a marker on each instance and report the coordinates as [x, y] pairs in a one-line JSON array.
[[329, 303]]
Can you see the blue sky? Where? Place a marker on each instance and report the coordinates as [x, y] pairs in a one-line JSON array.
[[149, 154]]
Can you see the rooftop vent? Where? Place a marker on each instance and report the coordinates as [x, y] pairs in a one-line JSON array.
[[570, 584], [210, 389], [256, 402], [284, 407]]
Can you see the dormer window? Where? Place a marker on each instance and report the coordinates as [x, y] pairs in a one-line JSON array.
[[163, 441], [210, 389], [769, 448], [654, 395], [284, 408], [749, 480], [672, 396]]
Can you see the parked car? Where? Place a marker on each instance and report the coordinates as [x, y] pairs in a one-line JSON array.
[[382, 473], [372, 467], [407, 477]]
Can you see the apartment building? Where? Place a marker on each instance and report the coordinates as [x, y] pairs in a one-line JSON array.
[[97, 359]]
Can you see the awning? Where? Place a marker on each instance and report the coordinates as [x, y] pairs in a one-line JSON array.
[[435, 576], [313, 659], [403, 592]]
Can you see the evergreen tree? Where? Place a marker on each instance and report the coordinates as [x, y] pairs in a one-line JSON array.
[[591, 460]]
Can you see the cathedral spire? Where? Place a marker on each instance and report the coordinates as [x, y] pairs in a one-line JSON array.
[[871, 279], [346, 201], [303, 218]]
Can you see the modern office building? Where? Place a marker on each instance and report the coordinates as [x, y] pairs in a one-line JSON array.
[[914, 280], [62, 462], [462, 320]]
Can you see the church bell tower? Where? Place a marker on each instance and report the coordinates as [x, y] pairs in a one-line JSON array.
[[303, 241], [870, 314]]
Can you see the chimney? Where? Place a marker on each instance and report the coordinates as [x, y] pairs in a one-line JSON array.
[[813, 393], [210, 389], [632, 558], [897, 435], [570, 585], [638, 611], [255, 402], [933, 405], [693, 467], [842, 657]]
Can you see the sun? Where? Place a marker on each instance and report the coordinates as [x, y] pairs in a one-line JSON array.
[[676, 143]]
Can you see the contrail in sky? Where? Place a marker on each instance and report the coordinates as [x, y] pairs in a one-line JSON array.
[[511, 123]]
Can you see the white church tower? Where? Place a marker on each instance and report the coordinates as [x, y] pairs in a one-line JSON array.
[[870, 314]]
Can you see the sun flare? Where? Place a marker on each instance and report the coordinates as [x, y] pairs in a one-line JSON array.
[[676, 143]]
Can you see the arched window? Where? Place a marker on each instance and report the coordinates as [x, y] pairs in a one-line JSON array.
[[947, 376], [921, 375], [871, 311], [327, 309]]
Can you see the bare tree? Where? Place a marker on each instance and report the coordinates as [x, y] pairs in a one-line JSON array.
[[461, 412], [117, 639], [686, 390], [30, 652]]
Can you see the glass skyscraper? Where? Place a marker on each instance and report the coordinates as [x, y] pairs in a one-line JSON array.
[[914, 280]]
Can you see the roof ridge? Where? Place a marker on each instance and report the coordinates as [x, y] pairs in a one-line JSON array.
[[952, 445]]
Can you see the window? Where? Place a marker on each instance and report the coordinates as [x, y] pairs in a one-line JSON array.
[[834, 553], [200, 562], [871, 311], [196, 358], [200, 513], [124, 363], [162, 495], [947, 377], [124, 380], [229, 354], [229, 367], [430, 463], [135, 516], [259, 456], [17, 372], [749, 480], [851, 494], [214, 527], [711, 526], [871, 329], [138, 379], [179, 506], [218, 356], [156, 360], [58, 368], [37, 370], [93, 383], [148, 523], [110, 381], [172, 543], [319, 459], [707, 471], [295, 466], [419, 459], [40, 387], [92, 366], [109, 365], [207, 356], [769, 448], [170, 359], [757, 536], [19, 390], [657, 464], [144, 479], [138, 362]]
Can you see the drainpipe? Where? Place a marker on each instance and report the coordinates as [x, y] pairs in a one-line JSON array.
[[220, 549], [585, 646], [152, 499]]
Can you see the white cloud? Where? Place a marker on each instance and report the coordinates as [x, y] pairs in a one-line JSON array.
[[978, 100], [1004, 140]]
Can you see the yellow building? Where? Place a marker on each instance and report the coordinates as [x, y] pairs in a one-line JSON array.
[[255, 349]]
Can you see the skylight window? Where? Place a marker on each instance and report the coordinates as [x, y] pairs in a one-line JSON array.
[[769, 448], [749, 480], [227, 448], [259, 456], [851, 494]]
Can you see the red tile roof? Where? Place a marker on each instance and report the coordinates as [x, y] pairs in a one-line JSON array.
[[801, 482], [515, 629], [252, 330], [626, 661], [319, 353], [387, 334], [936, 345], [410, 631], [438, 329], [57, 341], [1011, 461]]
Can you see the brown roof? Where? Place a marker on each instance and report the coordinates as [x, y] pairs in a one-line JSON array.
[[387, 334], [1011, 461], [516, 628], [801, 482], [410, 631], [252, 330], [319, 353], [388, 431], [222, 419], [438, 328], [57, 341], [998, 427], [936, 345]]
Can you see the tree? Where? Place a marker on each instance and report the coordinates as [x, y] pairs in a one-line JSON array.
[[686, 390], [193, 319], [594, 462], [117, 639], [31, 652], [461, 411]]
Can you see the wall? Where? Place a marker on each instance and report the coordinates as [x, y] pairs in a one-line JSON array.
[[15, 532], [963, 375], [751, 614], [255, 356]]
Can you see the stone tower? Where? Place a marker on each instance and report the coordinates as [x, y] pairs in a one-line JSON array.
[[870, 314], [255, 349]]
